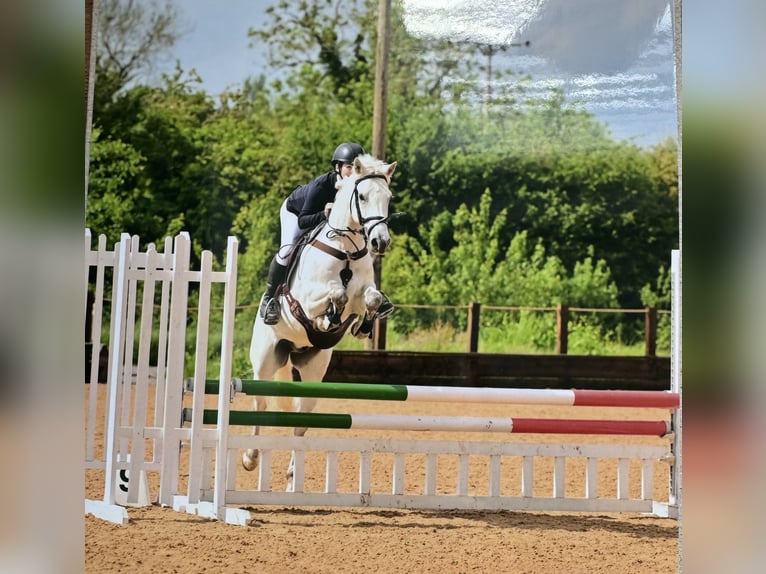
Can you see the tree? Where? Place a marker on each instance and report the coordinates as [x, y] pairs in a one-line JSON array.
[[119, 201], [478, 266], [315, 34], [523, 202], [195, 167], [337, 42], [132, 36]]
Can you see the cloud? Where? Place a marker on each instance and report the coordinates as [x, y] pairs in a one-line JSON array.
[[593, 36]]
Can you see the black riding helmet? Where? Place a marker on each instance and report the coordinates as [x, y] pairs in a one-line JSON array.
[[346, 152]]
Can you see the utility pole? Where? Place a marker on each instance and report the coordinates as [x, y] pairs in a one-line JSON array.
[[381, 80], [490, 50], [91, 21], [379, 130]]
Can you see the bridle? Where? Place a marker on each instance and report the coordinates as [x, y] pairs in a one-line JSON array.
[[355, 198], [364, 231], [320, 339], [348, 233]]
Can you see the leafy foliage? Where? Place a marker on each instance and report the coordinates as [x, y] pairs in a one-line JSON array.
[[513, 202]]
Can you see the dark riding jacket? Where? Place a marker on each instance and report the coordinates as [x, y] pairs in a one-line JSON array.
[[308, 200]]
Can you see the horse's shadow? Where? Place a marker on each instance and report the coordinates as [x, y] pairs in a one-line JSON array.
[[635, 525]]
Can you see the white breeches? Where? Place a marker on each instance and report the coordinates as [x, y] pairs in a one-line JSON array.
[[290, 232]]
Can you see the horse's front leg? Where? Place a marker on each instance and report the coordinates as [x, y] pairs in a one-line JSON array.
[[250, 458], [337, 299], [372, 301]]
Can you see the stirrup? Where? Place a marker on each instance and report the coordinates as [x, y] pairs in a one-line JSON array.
[[269, 311]]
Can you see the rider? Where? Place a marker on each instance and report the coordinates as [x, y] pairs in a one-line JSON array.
[[305, 208]]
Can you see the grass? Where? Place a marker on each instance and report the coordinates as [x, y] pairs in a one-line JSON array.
[[441, 338], [445, 339]]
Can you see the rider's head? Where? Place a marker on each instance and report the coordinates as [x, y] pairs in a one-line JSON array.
[[344, 155]]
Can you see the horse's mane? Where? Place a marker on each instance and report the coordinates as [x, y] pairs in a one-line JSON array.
[[370, 164], [366, 165]]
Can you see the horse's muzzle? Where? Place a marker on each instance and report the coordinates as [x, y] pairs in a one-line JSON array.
[[379, 245], [379, 239]]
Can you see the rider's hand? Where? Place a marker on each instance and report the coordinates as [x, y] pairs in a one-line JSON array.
[[327, 210]]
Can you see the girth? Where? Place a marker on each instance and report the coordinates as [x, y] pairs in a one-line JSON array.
[[320, 339]]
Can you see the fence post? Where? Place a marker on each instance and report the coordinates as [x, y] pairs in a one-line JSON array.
[[650, 336], [562, 329], [379, 335], [474, 312]]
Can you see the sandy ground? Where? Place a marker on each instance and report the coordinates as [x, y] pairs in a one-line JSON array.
[[318, 540]]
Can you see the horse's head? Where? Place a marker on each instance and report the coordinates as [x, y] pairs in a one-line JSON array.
[[362, 201]]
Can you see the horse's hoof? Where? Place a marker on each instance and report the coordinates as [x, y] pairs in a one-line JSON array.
[[385, 308], [250, 462], [333, 313], [365, 328]]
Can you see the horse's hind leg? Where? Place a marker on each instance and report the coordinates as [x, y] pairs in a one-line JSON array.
[[299, 405], [267, 359], [310, 367], [250, 458]]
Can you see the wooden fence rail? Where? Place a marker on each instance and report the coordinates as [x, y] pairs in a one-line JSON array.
[[472, 368], [500, 371], [563, 316]]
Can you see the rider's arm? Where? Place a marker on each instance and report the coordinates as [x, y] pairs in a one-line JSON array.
[[319, 192]]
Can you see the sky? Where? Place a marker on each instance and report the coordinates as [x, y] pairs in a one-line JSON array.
[[215, 41], [612, 57]]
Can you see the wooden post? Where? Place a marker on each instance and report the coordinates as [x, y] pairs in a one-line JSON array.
[[562, 329], [381, 80], [379, 333], [650, 335], [379, 130], [474, 312], [91, 16]]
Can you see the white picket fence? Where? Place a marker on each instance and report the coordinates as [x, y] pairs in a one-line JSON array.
[[163, 280], [148, 339]]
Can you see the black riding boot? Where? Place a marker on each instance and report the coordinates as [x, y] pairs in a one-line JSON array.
[[269, 309]]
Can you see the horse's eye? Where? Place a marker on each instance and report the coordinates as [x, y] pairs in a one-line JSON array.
[[362, 197]]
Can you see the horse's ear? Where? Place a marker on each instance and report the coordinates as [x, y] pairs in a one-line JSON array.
[[391, 169], [357, 164]]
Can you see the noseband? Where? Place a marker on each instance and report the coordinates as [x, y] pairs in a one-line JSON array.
[[355, 198]]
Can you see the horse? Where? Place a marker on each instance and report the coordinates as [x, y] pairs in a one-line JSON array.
[[329, 290]]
